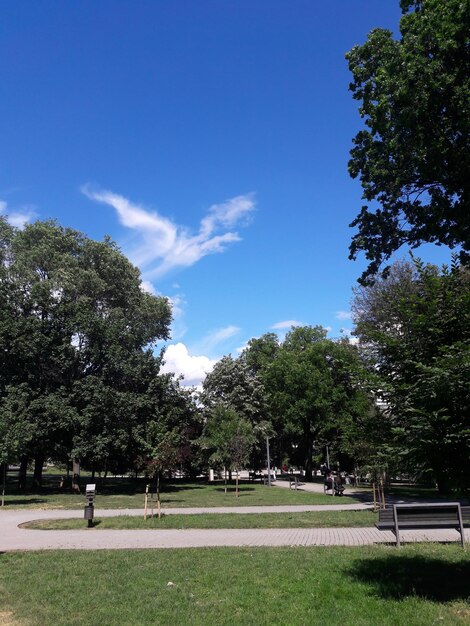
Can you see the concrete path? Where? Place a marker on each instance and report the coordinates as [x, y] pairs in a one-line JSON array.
[[14, 538]]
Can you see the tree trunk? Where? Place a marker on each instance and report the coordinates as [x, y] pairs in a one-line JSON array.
[[444, 483], [236, 485], [22, 473], [38, 467], [158, 496], [3, 469], [225, 480]]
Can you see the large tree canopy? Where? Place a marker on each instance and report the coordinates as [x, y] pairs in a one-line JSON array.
[[415, 325], [413, 156], [76, 338]]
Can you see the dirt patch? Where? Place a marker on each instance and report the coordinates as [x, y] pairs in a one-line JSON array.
[[8, 619]]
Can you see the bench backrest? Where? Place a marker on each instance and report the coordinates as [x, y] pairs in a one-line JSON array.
[[445, 511], [437, 512]]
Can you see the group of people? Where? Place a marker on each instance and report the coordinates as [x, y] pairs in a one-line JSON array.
[[332, 480]]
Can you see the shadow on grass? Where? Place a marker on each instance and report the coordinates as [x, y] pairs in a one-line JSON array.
[[96, 522], [242, 489], [396, 577], [25, 501], [166, 488]]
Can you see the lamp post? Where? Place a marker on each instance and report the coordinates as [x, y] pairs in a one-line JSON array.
[[327, 457], [269, 461]]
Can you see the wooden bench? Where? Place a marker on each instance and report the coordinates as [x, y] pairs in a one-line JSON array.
[[255, 476], [424, 515]]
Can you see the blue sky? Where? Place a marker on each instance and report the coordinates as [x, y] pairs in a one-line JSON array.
[[209, 138]]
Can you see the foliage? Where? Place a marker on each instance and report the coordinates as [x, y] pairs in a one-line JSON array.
[[313, 386], [260, 351], [233, 385], [228, 438], [78, 375], [415, 325], [413, 158]]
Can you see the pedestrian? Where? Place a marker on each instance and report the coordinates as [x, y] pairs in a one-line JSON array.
[[76, 483]]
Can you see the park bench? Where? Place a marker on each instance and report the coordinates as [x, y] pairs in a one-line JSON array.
[[424, 515], [294, 482], [255, 476], [334, 485]]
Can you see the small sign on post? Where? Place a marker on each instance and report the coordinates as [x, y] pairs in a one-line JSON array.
[[90, 493]]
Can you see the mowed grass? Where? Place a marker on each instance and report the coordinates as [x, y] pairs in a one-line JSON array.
[[417, 585], [126, 493], [311, 519]]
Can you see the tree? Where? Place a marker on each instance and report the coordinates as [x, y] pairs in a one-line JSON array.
[[228, 438], [76, 331], [232, 384], [14, 431], [415, 327], [314, 389], [260, 352], [413, 156]]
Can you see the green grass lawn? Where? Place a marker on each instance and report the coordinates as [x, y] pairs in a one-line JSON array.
[[129, 493], [313, 519], [418, 585]]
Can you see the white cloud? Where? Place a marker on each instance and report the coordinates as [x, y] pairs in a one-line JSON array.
[[147, 286], [343, 315], [177, 305], [209, 343], [179, 361], [347, 332], [285, 324], [178, 325], [19, 218], [241, 348], [163, 245]]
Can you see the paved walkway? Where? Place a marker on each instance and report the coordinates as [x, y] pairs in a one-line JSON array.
[[14, 538]]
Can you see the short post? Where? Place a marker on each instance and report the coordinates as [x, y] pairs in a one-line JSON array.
[[4, 482], [146, 501], [90, 493]]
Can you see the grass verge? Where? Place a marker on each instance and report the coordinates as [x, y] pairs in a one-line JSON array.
[[313, 519], [417, 585]]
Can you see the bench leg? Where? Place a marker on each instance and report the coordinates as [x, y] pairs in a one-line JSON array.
[[462, 532], [397, 532]]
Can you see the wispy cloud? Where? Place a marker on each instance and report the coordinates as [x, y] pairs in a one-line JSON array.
[[19, 217], [163, 245], [210, 343], [192, 368], [343, 315], [285, 324]]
